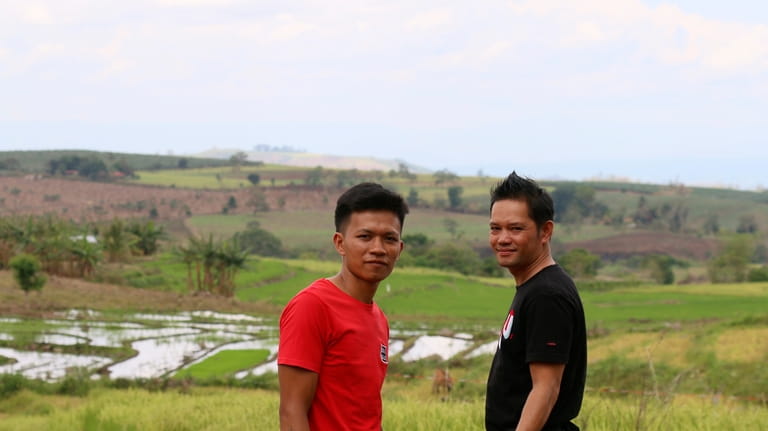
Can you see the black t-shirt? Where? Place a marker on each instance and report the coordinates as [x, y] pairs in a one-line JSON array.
[[545, 324]]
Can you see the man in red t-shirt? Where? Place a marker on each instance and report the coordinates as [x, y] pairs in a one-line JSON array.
[[334, 339]]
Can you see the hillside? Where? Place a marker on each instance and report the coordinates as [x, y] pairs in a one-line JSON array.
[[293, 202]]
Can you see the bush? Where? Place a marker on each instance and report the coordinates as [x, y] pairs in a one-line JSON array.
[[10, 384], [27, 272], [758, 274], [77, 382]]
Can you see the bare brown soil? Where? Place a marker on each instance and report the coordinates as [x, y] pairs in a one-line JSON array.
[[93, 201], [645, 243], [61, 294]]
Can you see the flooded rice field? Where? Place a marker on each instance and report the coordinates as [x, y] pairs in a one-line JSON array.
[[159, 345]]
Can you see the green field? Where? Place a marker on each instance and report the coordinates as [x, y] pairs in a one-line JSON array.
[[673, 357], [313, 230], [239, 410], [223, 364], [659, 356]]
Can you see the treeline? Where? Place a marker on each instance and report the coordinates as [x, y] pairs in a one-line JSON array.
[[740, 259], [92, 168], [64, 248], [36, 246]]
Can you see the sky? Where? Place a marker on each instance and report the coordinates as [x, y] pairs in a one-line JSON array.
[[643, 90]]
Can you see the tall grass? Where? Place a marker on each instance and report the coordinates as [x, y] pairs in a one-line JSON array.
[[237, 409]]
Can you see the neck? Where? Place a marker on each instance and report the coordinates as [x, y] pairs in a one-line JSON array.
[[361, 290], [529, 271]]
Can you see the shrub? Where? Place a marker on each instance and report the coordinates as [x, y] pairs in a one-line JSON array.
[[27, 272], [10, 384], [758, 274]]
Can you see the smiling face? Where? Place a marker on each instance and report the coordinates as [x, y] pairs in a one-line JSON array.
[[369, 245], [519, 245]]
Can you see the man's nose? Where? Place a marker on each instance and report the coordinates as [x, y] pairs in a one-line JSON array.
[[377, 245]]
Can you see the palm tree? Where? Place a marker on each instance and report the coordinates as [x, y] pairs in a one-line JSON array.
[[230, 259], [85, 254], [117, 241], [147, 236]]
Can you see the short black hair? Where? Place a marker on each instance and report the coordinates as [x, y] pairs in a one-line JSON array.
[[368, 196], [541, 208]]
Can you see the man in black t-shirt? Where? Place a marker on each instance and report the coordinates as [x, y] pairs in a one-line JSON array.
[[538, 373]]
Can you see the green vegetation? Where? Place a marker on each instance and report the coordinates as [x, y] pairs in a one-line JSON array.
[[40, 161], [224, 364], [27, 272], [662, 355], [235, 410]]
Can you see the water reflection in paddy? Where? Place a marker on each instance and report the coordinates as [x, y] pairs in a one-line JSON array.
[[165, 344]]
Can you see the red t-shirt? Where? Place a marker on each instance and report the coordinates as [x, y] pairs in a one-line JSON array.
[[344, 341]]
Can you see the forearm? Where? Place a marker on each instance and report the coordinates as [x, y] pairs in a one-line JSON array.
[[537, 409], [292, 420]]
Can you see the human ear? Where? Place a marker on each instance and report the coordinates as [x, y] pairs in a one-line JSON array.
[[338, 243]]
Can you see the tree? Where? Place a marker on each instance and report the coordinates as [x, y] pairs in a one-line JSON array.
[[258, 201], [758, 274], [747, 224], [579, 262], [576, 202], [10, 164], [27, 272], [255, 179], [454, 197], [123, 167], [413, 198], [147, 237], [232, 202], [93, 169], [216, 263], [86, 255], [660, 267], [712, 225], [444, 176], [230, 258], [417, 244], [259, 241], [452, 226], [314, 177], [732, 264], [238, 159], [452, 256], [183, 163], [117, 241]]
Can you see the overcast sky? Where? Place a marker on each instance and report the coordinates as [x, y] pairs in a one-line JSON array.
[[653, 91]]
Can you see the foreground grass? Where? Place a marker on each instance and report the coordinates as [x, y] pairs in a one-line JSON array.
[[239, 409]]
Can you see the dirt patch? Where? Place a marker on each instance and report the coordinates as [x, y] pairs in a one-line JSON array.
[[61, 294], [645, 243], [92, 201]]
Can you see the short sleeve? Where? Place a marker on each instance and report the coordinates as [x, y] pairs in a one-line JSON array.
[[303, 332], [550, 330]]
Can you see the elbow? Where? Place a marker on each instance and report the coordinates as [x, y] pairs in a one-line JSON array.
[[554, 394], [287, 415]]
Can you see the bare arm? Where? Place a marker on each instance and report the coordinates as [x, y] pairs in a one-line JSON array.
[[546, 387], [297, 390]]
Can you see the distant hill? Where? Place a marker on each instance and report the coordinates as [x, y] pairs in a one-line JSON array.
[[37, 161], [311, 160]]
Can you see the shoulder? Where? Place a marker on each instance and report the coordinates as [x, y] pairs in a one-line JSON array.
[[313, 297]]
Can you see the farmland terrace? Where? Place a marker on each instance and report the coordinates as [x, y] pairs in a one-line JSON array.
[[94, 201]]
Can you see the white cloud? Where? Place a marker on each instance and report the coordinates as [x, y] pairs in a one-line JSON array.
[[431, 20]]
